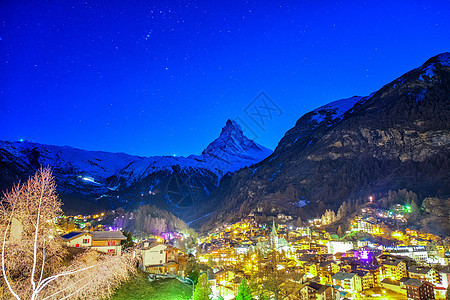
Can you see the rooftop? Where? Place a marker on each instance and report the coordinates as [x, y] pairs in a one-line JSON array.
[[107, 235], [418, 270], [73, 234], [414, 282], [343, 276], [390, 281]]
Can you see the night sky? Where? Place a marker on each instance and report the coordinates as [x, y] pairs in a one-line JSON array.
[[162, 77]]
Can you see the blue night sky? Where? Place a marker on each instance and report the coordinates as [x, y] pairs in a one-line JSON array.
[[162, 77]]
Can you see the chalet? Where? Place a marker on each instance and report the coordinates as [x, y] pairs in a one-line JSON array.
[[374, 270], [151, 254], [78, 239], [326, 269], [393, 285], [351, 282], [158, 258], [393, 269], [107, 241], [366, 279], [172, 254], [102, 241], [417, 289], [313, 290], [428, 274]]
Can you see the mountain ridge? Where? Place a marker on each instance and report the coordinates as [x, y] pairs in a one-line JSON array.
[[96, 173], [397, 137]]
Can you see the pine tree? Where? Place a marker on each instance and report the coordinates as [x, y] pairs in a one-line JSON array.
[[350, 207], [414, 207], [339, 231], [202, 289], [244, 291], [332, 216], [342, 212]]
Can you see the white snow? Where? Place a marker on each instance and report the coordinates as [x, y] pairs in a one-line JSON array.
[[421, 96], [301, 203], [428, 71], [230, 152], [444, 59], [334, 110]]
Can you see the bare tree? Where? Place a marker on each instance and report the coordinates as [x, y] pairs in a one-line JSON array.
[[31, 251]]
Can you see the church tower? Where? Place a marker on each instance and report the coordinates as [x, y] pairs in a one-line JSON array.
[[274, 234]]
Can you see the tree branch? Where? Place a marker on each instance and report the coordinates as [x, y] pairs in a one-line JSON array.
[[3, 258]]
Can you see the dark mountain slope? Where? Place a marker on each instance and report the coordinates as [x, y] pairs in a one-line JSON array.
[[398, 137]]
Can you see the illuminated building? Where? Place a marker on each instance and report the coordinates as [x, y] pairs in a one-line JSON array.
[[313, 290], [350, 282], [393, 269], [427, 274], [339, 246], [419, 290]]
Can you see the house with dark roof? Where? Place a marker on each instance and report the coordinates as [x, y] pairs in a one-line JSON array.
[[326, 269], [101, 241], [314, 290], [366, 279], [393, 285], [350, 282], [374, 270], [78, 239], [425, 273], [393, 269], [417, 289], [107, 241]]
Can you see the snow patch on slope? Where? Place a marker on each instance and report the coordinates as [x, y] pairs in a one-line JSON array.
[[335, 110]]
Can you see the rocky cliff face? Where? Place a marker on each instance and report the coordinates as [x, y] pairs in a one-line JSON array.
[[397, 137]]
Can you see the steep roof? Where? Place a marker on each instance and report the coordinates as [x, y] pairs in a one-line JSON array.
[[317, 287], [74, 234], [326, 263]]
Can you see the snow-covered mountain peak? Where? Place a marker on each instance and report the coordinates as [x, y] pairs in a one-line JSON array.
[[231, 151], [232, 125], [232, 141], [231, 129]]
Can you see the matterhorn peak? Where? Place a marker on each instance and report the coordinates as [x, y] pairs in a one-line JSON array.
[[232, 141], [232, 125]]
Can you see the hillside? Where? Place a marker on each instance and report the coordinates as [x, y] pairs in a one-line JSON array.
[[396, 138]]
